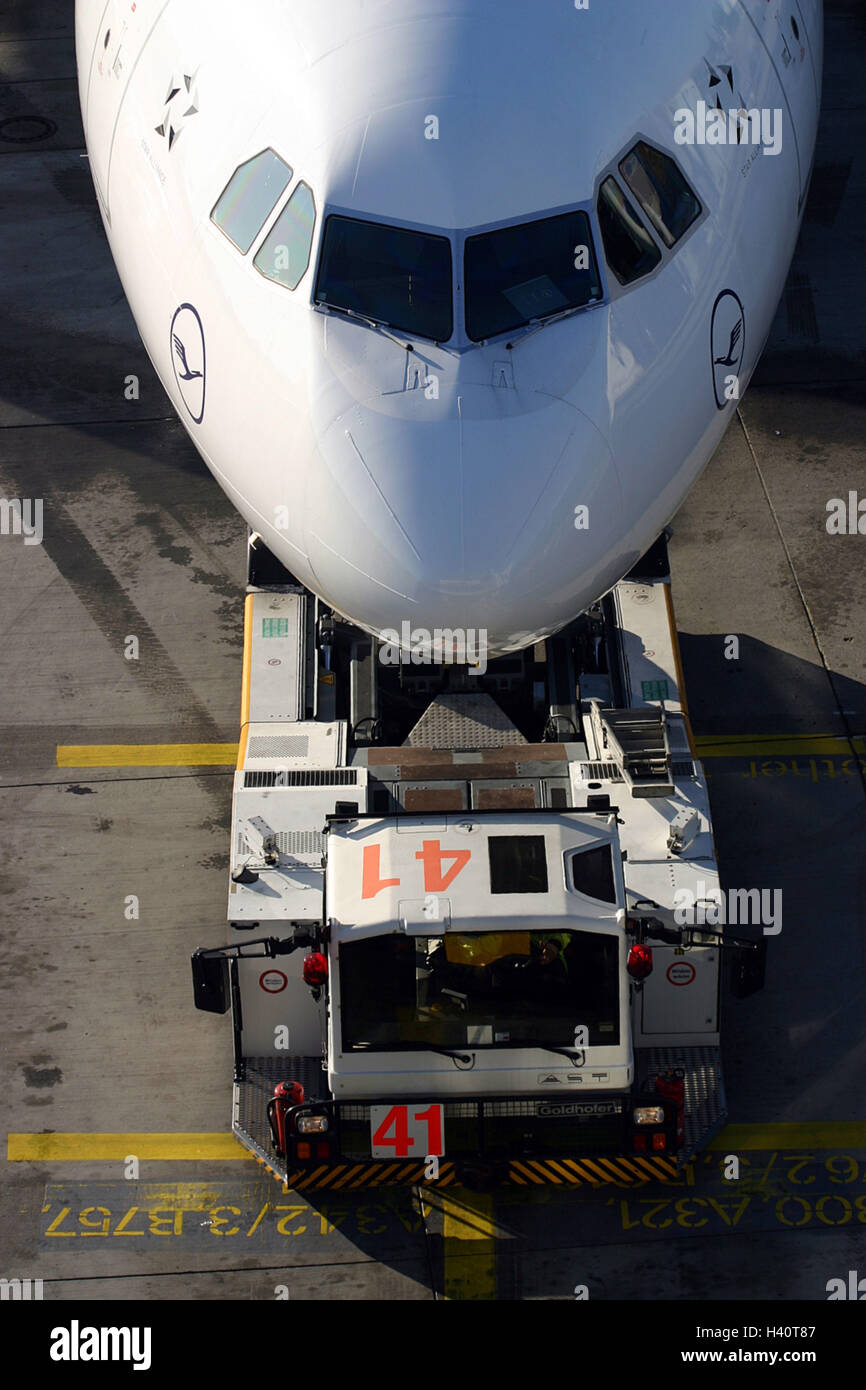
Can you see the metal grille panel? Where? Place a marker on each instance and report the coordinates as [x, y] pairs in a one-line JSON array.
[[280, 746], [291, 842], [683, 769], [335, 777], [600, 772]]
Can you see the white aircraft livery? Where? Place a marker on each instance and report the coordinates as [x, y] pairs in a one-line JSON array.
[[456, 298]]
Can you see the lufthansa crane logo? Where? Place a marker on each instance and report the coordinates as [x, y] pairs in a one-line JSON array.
[[186, 344], [727, 345]]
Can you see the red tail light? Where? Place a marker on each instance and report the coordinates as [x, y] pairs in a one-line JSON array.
[[660, 1141], [640, 961]]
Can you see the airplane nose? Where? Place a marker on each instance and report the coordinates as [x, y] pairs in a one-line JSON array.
[[482, 516]]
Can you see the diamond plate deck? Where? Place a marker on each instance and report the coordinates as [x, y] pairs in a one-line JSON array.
[[706, 1108], [464, 722], [251, 1096]]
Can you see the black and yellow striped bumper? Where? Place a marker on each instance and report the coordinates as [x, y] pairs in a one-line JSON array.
[[632, 1171]]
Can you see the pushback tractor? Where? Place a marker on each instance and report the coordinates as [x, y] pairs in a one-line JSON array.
[[454, 947]]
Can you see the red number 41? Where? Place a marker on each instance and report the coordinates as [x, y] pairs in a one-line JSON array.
[[397, 1133]]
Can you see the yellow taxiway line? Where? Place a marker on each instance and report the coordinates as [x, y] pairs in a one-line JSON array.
[[81, 755], [778, 745], [147, 755], [82, 1148]]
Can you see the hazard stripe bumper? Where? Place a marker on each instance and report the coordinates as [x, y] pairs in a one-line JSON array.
[[620, 1171]]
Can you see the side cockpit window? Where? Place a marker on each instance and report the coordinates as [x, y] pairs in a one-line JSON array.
[[249, 198], [628, 247], [661, 190], [285, 252]]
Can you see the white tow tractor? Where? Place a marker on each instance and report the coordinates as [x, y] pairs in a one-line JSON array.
[[454, 944]]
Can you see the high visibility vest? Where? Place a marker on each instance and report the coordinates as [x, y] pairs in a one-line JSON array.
[[485, 948]]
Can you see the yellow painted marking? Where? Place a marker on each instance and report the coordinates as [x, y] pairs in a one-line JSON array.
[[248, 659], [561, 1169], [526, 1172], [678, 667], [350, 1173], [204, 1147], [843, 1135], [232, 754], [778, 745], [545, 1169], [642, 1168], [257, 1220], [147, 754], [38, 1148], [469, 1275], [593, 1170], [245, 680]]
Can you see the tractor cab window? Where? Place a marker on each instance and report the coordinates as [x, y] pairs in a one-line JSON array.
[[501, 988]]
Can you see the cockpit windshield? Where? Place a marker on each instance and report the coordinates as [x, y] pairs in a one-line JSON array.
[[479, 989], [530, 271], [396, 276]]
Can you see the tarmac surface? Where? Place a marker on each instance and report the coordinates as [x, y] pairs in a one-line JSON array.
[[112, 875]]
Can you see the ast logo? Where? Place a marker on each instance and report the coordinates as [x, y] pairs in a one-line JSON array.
[[186, 343], [727, 345]]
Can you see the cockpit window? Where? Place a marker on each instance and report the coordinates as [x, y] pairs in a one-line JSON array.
[[628, 247], [250, 196], [400, 278], [530, 271], [285, 252], [661, 190]]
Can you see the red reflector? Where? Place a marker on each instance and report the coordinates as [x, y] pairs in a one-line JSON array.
[[323, 1149], [302, 1149], [640, 961], [660, 1141], [315, 969], [638, 1141]]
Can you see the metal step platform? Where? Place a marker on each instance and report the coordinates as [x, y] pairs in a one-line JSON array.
[[637, 740]]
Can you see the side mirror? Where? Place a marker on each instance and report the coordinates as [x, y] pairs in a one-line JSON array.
[[210, 982]]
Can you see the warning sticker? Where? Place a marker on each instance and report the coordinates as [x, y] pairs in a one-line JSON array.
[[681, 972], [273, 981]]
